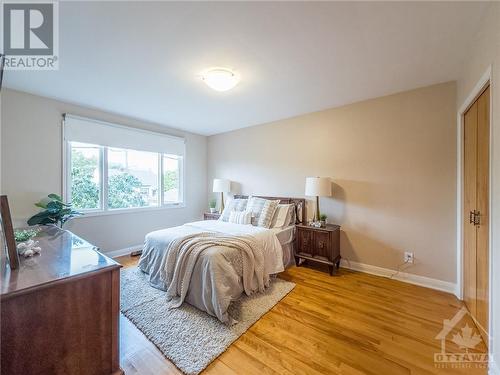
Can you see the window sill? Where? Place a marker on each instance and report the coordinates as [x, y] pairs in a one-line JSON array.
[[121, 211]]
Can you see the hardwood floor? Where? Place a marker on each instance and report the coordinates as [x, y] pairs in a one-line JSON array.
[[351, 323]]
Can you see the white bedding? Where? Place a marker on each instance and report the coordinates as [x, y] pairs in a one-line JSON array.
[[216, 280], [286, 237], [273, 253]]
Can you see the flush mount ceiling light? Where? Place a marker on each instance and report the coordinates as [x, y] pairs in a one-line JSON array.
[[220, 79]]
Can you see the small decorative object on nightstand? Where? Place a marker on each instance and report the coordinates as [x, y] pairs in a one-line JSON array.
[[321, 245], [211, 216], [211, 205], [322, 220]]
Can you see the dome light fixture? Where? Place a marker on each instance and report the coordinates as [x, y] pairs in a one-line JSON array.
[[220, 79]]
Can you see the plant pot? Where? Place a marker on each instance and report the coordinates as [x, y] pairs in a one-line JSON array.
[[212, 210], [323, 223]]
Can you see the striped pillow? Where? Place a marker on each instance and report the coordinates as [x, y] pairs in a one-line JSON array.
[[240, 217], [266, 216], [283, 216], [233, 205]]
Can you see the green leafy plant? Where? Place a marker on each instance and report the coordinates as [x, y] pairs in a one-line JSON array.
[[124, 191], [55, 211], [170, 180], [323, 217], [84, 191], [23, 235], [212, 203]]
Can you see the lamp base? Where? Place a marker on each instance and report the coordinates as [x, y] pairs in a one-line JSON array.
[[221, 203], [317, 214]]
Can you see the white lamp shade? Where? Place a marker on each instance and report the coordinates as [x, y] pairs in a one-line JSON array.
[[221, 185], [318, 186]]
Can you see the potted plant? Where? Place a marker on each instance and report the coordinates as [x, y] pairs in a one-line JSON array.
[[212, 204], [322, 219], [55, 211]]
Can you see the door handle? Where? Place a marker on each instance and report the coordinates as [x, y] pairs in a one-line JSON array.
[[477, 217]]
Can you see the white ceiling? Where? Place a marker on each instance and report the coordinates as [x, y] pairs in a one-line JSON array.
[[142, 59]]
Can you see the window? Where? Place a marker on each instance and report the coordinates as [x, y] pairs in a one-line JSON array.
[[171, 179], [85, 176], [101, 176], [132, 178]]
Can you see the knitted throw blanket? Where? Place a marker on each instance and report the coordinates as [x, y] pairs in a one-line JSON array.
[[182, 254]]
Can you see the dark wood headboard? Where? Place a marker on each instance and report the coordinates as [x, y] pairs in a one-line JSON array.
[[300, 205]]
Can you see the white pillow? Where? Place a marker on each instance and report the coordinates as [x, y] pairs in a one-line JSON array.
[[282, 216], [240, 217], [233, 205]]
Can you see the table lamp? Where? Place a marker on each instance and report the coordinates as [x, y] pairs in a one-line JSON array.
[[221, 186], [318, 187]]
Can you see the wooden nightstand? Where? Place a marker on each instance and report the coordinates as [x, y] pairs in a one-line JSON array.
[[321, 245], [211, 216]]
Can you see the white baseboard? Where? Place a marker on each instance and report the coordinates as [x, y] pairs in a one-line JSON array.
[[121, 252], [427, 282], [493, 368]]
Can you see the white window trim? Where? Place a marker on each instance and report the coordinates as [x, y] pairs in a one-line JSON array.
[[104, 210], [103, 176], [182, 163]]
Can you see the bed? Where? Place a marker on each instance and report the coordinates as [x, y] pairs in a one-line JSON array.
[[217, 276]]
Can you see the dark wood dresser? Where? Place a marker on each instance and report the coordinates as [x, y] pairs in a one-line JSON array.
[[321, 245], [60, 310]]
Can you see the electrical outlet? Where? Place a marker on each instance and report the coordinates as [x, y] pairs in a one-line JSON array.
[[409, 257]]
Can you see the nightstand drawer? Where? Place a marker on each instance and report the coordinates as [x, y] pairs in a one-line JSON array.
[[305, 241], [322, 244], [211, 216]]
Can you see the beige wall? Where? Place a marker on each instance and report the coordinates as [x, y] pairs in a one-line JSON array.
[[393, 161], [485, 52], [32, 161]]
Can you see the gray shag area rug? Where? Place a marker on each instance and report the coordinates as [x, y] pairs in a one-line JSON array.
[[189, 337]]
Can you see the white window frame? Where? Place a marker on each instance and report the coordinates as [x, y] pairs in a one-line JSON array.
[[103, 199], [181, 178]]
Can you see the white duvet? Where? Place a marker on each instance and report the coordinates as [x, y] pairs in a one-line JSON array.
[[216, 280]]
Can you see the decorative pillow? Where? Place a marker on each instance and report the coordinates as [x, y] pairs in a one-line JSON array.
[[267, 213], [292, 215], [233, 205], [240, 217], [282, 216], [255, 206]]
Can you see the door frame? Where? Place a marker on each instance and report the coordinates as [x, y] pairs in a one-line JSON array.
[[486, 79]]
